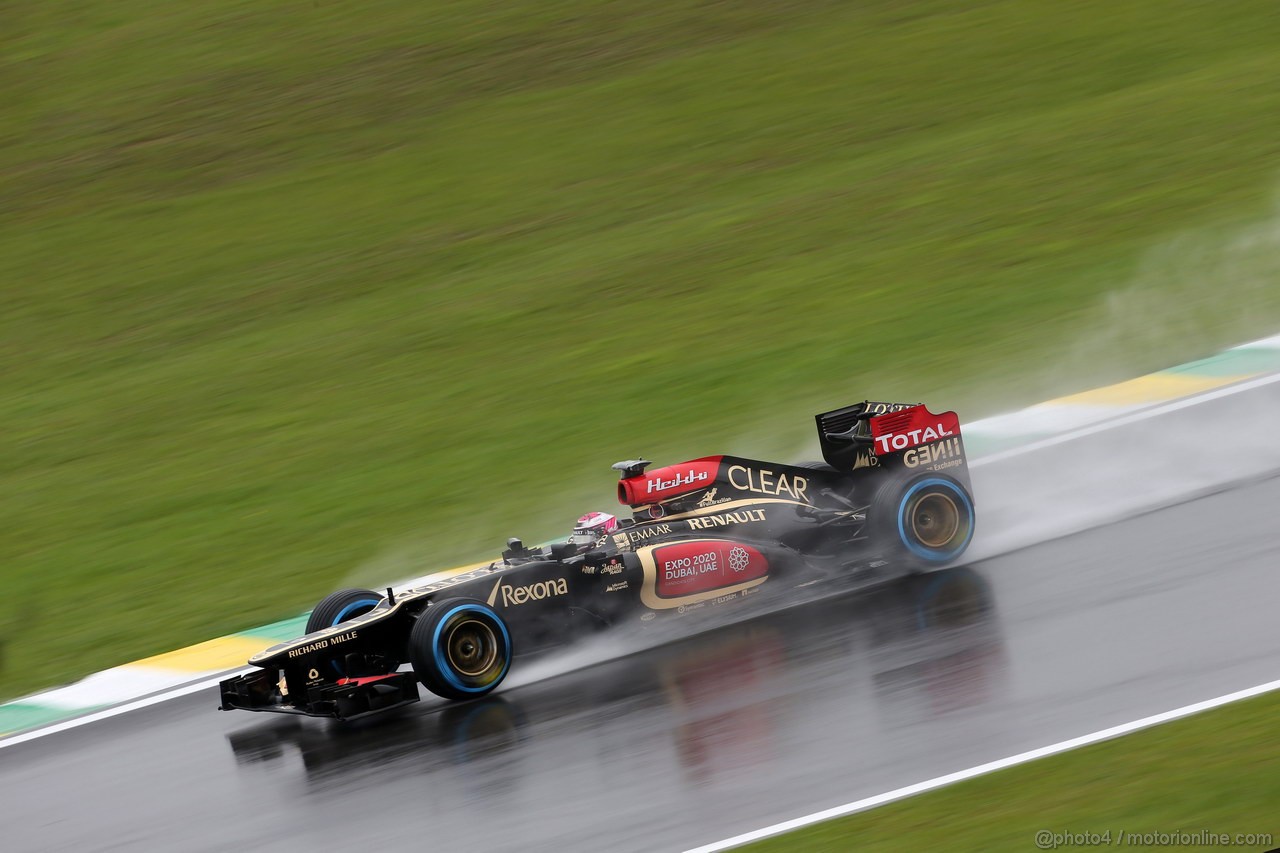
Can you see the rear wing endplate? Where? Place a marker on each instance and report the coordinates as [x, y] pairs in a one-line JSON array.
[[864, 434]]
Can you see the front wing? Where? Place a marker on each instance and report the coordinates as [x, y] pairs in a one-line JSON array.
[[347, 699]]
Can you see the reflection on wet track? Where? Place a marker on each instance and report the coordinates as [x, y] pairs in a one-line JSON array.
[[720, 695], [714, 735]]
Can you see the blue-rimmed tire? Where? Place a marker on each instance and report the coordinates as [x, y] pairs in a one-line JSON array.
[[460, 648], [928, 520], [343, 606]]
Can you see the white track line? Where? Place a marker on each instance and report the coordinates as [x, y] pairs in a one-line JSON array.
[[106, 713], [982, 769], [1134, 417], [1151, 412]]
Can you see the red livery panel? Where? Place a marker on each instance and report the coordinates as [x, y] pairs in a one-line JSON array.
[[687, 568], [912, 427], [670, 482]]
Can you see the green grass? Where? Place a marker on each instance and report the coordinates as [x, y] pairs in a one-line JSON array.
[[1212, 773], [295, 294]]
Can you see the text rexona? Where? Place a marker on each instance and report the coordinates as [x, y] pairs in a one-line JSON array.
[[530, 592], [767, 482]]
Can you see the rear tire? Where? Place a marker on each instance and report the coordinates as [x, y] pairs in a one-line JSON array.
[[460, 648], [928, 521]]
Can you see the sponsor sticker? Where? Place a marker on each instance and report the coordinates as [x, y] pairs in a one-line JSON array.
[[935, 457], [513, 596], [898, 431], [690, 477], [746, 516], [672, 481], [320, 645], [886, 408], [687, 568], [864, 459], [648, 531], [762, 481]]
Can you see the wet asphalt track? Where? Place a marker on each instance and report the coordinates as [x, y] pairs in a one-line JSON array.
[[695, 741]]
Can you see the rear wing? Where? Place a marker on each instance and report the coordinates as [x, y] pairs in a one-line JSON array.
[[907, 435]]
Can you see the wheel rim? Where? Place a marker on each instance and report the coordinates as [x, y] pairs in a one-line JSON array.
[[354, 610], [471, 648], [935, 520]]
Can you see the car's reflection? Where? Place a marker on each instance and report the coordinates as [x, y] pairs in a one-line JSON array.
[[722, 700], [953, 660]]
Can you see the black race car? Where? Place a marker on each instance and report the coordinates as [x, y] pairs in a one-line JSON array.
[[892, 497]]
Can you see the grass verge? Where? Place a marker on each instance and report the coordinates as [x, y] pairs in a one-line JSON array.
[[298, 294], [1210, 773]]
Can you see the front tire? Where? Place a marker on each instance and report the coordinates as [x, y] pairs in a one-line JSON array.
[[928, 520], [460, 648], [341, 606]]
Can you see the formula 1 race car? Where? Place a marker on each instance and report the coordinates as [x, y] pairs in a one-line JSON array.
[[892, 497]]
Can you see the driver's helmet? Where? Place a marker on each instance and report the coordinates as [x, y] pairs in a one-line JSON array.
[[588, 529]]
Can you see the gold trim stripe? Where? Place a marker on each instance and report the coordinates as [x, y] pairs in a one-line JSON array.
[[714, 509]]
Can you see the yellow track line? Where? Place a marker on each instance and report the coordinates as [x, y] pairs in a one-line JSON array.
[[1152, 388]]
